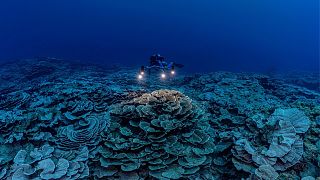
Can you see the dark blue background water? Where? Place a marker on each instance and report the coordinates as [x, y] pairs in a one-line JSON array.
[[206, 35]]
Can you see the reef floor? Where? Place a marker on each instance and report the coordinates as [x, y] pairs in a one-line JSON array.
[[66, 120]]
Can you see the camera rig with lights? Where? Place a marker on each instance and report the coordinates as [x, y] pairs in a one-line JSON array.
[[157, 62]]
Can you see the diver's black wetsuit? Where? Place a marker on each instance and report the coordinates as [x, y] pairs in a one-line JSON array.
[[154, 59]]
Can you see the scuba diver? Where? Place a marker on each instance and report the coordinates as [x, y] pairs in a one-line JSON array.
[[156, 61], [154, 58]]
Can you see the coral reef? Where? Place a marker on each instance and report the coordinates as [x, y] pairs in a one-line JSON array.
[[163, 135], [64, 120], [47, 163], [285, 149], [83, 133]]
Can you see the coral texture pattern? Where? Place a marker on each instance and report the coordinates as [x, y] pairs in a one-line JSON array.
[[62, 120]]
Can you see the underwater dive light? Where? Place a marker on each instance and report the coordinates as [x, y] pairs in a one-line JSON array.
[[140, 76], [163, 75], [172, 70], [142, 70]]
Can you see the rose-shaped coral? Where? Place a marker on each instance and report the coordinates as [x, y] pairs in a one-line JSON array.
[[159, 135]]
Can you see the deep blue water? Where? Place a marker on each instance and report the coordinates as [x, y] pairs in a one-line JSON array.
[[206, 35]]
